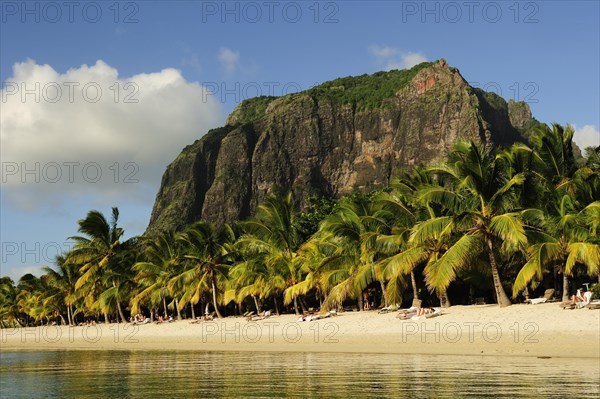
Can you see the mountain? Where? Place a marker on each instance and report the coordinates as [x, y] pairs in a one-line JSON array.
[[352, 133]]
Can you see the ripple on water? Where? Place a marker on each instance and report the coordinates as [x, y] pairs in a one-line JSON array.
[[155, 374]]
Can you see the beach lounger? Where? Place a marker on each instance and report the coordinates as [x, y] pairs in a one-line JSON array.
[[593, 305], [546, 297], [578, 305], [387, 309], [587, 297]]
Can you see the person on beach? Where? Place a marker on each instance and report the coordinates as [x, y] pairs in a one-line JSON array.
[[578, 297], [424, 311], [407, 313]]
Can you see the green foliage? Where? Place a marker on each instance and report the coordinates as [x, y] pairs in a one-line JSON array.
[[318, 208], [466, 219], [493, 100], [595, 290], [366, 91], [251, 110]]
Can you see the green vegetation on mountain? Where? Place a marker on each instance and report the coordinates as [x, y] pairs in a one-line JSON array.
[[352, 133], [366, 91]]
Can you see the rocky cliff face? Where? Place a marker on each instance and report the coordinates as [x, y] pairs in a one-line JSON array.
[[348, 134]]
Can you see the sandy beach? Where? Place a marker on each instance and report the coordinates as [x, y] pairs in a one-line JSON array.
[[544, 330]]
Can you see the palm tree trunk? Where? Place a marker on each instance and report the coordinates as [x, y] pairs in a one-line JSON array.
[[296, 304], [69, 314], [303, 305], [413, 282], [360, 302], [320, 299], [444, 300], [178, 310], [501, 296], [383, 297], [256, 305], [214, 293], [120, 312], [276, 307], [193, 313], [165, 306], [106, 318], [565, 295]]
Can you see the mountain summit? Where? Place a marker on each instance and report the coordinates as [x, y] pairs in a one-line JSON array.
[[352, 133]]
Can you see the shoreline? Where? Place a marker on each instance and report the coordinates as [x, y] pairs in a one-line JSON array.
[[543, 330]]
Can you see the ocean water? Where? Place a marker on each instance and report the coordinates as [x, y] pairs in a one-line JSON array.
[[163, 374]]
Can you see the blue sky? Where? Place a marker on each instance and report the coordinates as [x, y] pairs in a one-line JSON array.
[[168, 71]]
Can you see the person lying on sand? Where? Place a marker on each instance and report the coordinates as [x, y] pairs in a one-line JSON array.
[[164, 319], [414, 312], [424, 311], [407, 313]]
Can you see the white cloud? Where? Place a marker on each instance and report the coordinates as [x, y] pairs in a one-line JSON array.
[[393, 58], [229, 59], [409, 60], [587, 136], [130, 127], [383, 51]]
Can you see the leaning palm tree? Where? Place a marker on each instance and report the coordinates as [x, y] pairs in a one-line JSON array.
[[95, 250], [480, 197]]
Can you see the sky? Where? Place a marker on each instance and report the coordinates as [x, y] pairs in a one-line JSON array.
[[98, 97]]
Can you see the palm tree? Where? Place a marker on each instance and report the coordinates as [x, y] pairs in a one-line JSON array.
[[480, 197], [411, 244], [353, 231], [568, 243], [10, 310], [119, 279], [311, 262], [555, 163], [272, 237], [97, 251], [206, 262], [63, 279], [162, 256]]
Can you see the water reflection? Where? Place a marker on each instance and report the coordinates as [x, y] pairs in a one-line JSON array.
[[147, 374]]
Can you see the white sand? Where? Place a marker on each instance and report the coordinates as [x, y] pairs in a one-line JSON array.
[[518, 330]]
